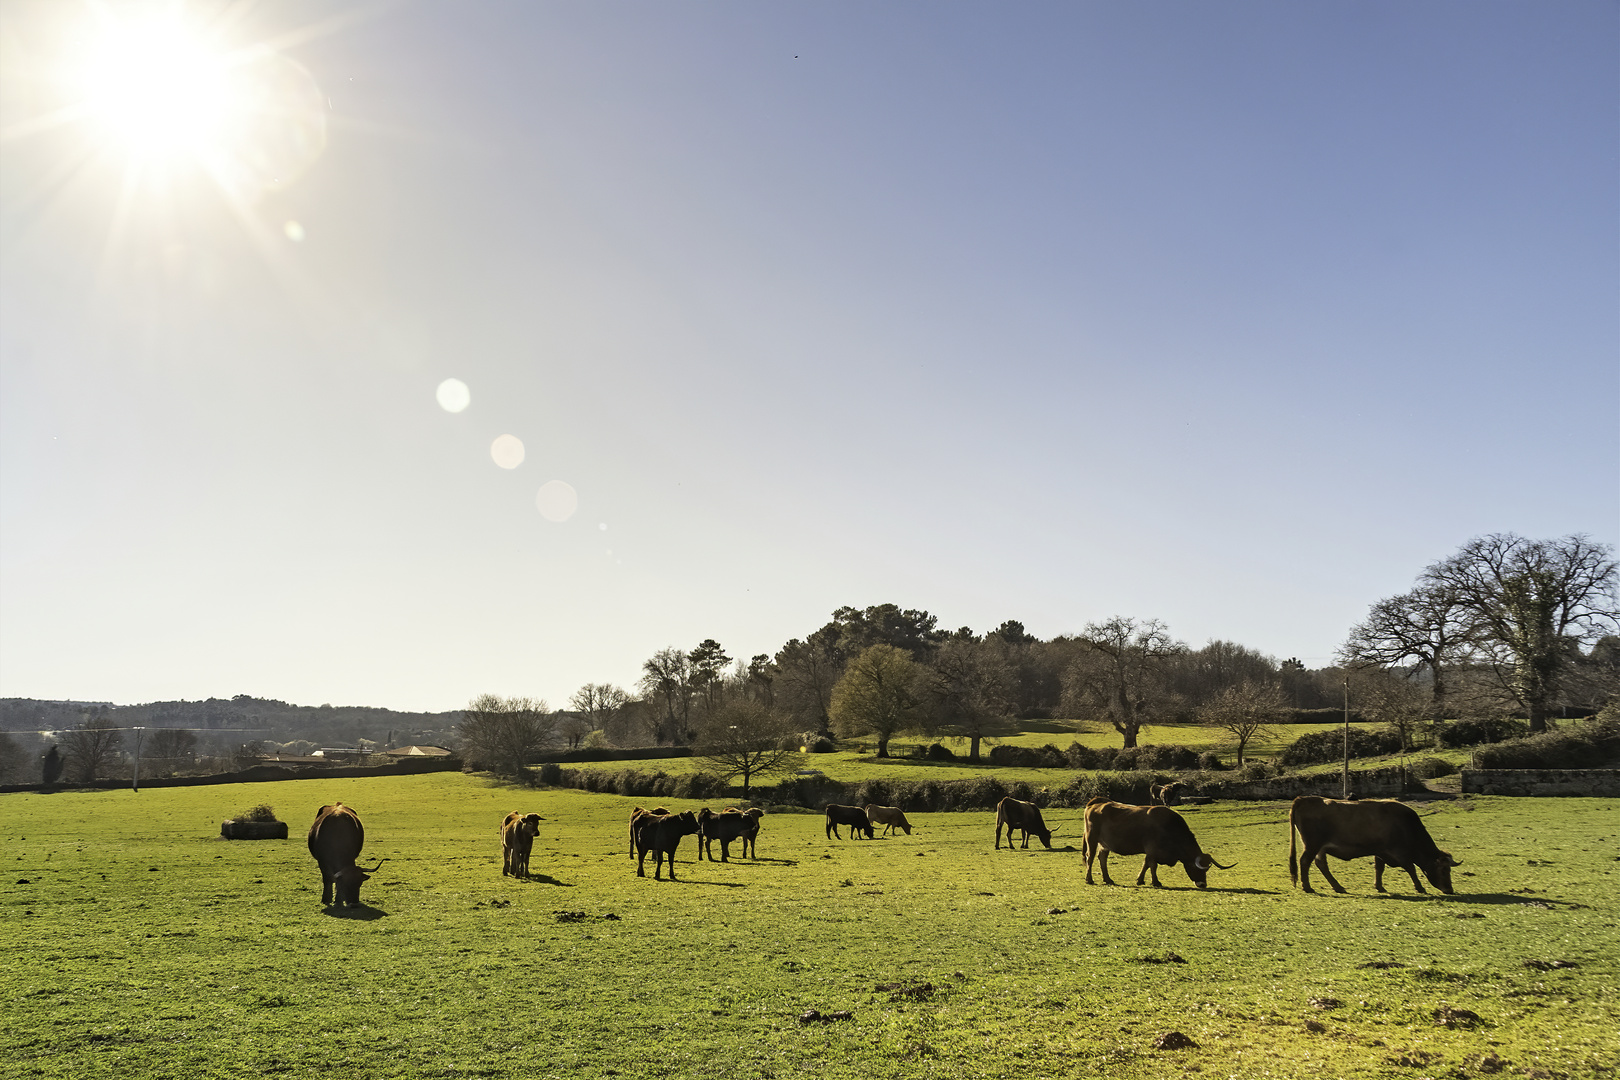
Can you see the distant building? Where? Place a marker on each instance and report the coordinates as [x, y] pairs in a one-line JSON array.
[[415, 751]]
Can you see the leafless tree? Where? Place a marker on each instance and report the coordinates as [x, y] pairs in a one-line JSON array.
[[1527, 600], [744, 738], [1247, 710], [169, 750], [1387, 697], [504, 734], [1427, 629], [1121, 676], [92, 747], [968, 691]]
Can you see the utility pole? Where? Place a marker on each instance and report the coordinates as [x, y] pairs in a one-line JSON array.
[[1346, 793], [135, 781]]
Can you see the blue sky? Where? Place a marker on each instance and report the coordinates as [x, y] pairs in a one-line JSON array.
[[1234, 315]]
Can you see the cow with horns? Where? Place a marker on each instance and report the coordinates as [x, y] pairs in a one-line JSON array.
[[335, 839], [1391, 832], [1157, 833]]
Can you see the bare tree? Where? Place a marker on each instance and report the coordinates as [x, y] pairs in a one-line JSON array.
[[92, 747], [874, 696], [1247, 710], [504, 734], [968, 691], [1528, 599], [600, 704], [1121, 675], [170, 750], [1388, 698], [744, 738], [1429, 628]]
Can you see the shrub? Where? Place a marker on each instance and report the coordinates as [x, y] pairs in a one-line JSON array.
[[1587, 745], [822, 745], [1176, 758], [1208, 762], [1080, 757], [874, 791], [1125, 787], [1478, 730], [1007, 754], [551, 774], [936, 752], [596, 740], [979, 792], [1430, 767], [1320, 747], [262, 812]]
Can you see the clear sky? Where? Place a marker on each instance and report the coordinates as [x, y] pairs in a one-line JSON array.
[[1234, 315]]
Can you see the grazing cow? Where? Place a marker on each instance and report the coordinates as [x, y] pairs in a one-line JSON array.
[[853, 816], [1391, 832], [517, 840], [635, 813], [1014, 815], [890, 817], [1158, 833], [661, 834], [733, 824], [335, 839], [1167, 794]]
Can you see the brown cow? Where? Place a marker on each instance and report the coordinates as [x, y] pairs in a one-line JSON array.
[[853, 816], [335, 839], [517, 840], [890, 817], [1167, 794], [661, 834], [635, 813], [732, 824], [1158, 833], [1391, 832], [1014, 815]]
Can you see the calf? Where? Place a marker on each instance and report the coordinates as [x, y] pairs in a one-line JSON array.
[[890, 817], [517, 840], [853, 816], [661, 834], [1013, 814], [634, 814], [1158, 833]]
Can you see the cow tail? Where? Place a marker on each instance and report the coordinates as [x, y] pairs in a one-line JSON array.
[[1293, 852]]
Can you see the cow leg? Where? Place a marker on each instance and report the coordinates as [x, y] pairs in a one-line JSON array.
[[1103, 859], [725, 851], [326, 890], [1378, 873], [998, 836], [1148, 864], [641, 863], [672, 866], [1322, 865], [1411, 869]]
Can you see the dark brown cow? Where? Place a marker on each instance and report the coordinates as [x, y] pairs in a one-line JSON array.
[[1013, 815], [635, 813], [853, 816], [517, 840], [1158, 833], [890, 817], [335, 839], [1391, 832], [732, 824], [661, 834], [1167, 794]]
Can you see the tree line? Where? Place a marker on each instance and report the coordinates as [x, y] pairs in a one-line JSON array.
[[1504, 624]]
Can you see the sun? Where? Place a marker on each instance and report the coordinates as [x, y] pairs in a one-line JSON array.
[[161, 92], [166, 92]]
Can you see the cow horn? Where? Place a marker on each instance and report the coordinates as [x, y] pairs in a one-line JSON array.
[[1203, 861], [372, 869], [1454, 861], [1212, 861]]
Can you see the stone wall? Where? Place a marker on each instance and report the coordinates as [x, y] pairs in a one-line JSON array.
[[1587, 782], [1366, 784]]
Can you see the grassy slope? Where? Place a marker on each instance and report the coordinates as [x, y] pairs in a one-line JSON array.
[[142, 945]]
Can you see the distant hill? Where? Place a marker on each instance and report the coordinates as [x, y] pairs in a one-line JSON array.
[[254, 718]]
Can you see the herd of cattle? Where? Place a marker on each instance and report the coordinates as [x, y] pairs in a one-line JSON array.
[[1390, 832]]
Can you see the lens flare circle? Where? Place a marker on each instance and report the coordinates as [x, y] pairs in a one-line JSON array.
[[507, 450], [453, 395], [557, 500]]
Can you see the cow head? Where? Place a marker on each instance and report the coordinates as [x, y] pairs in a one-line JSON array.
[[1439, 871], [1198, 868], [347, 882], [529, 824]]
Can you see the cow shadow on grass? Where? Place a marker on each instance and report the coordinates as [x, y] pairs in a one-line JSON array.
[[1486, 899], [362, 913], [545, 879], [694, 881]]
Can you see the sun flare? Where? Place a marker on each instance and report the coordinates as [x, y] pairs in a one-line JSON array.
[[159, 90]]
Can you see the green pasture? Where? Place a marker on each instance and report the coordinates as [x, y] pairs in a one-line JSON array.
[[134, 943]]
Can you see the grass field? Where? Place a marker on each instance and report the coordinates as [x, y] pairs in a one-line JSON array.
[[136, 943]]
